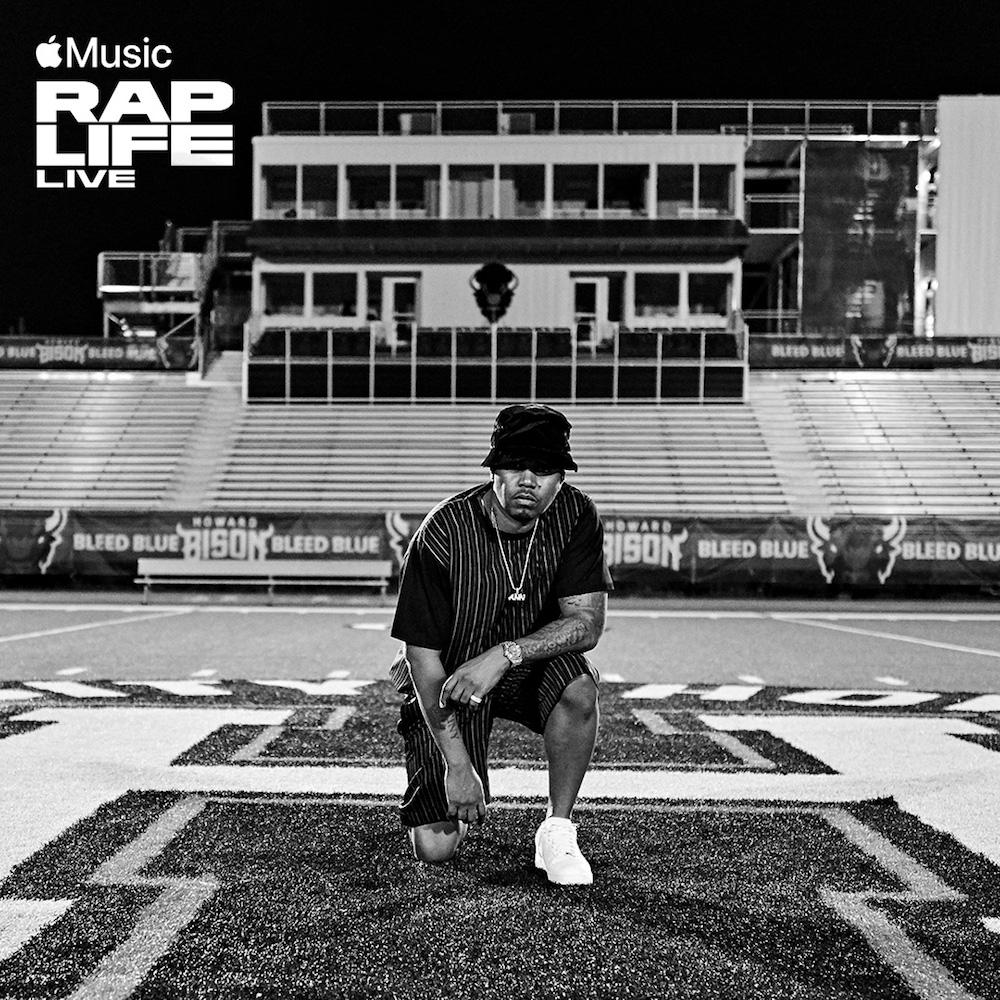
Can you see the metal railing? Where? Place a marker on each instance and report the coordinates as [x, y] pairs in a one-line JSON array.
[[411, 363], [772, 321], [761, 119], [139, 273]]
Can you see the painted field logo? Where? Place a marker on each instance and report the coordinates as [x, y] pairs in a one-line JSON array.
[[856, 553]]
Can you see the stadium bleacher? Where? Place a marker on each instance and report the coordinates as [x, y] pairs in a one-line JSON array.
[[94, 443], [633, 459], [859, 443], [907, 443]]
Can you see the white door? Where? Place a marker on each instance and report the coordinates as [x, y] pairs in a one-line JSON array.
[[399, 309], [590, 311]]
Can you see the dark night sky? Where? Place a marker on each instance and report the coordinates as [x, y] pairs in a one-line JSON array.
[[368, 51]]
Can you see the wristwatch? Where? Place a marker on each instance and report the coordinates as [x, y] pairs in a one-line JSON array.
[[513, 652]]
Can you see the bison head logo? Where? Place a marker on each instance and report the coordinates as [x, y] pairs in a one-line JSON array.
[[493, 286], [856, 554], [28, 542]]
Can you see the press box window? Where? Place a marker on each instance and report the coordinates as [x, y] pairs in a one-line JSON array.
[[319, 192], [625, 190], [418, 192], [574, 190], [715, 188], [335, 294], [709, 294], [279, 192], [674, 190], [368, 191], [657, 296], [522, 191], [284, 294], [470, 192]]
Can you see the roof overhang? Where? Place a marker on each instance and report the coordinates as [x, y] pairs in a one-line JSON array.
[[511, 240]]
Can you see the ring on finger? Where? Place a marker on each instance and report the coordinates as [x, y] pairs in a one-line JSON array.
[[475, 699]]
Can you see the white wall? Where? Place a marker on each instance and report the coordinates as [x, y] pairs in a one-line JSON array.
[[543, 297], [469, 149], [968, 217]]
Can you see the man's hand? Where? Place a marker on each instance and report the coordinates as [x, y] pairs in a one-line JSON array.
[[464, 789], [474, 679]]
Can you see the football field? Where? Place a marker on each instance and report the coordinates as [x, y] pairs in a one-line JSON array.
[[197, 799]]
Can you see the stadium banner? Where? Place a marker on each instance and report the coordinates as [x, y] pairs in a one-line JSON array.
[[814, 555], [110, 543], [105, 354], [808, 555], [873, 352]]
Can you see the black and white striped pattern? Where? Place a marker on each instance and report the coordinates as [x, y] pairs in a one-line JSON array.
[[460, 536], [462, 540], [526, 694]]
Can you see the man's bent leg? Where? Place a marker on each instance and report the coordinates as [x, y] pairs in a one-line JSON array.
[[438, 842], [570, 735]]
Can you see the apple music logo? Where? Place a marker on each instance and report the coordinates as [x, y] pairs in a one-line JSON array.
[[96, 54], [48, 55], [122, 118]]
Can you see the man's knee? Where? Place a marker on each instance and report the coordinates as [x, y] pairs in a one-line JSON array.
[[436, 843], [580, 697]]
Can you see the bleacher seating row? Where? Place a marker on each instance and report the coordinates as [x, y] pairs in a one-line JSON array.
[[86, 443], [843, 443], [632, 460], [909, 443]]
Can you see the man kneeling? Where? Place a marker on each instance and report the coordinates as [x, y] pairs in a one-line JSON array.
[[503, 589]]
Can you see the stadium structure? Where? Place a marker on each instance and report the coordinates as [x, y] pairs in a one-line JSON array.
[[807, 284]]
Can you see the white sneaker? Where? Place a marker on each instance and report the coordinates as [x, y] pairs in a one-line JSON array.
[[557, 854]]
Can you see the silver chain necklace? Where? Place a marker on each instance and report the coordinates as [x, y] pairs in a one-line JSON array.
[[517, 594]]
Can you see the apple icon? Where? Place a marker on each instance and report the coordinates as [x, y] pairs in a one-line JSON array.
[[47, 54]]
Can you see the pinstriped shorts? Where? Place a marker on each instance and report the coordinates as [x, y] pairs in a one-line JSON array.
[[525, 695]]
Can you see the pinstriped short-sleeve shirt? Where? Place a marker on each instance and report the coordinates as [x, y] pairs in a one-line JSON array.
[[454, 588]]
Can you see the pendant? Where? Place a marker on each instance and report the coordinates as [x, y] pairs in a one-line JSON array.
[[518, 595]]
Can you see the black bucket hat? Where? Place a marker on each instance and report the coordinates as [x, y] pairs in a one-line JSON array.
[[530, 431]]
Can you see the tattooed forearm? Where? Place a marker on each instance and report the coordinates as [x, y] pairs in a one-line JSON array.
[[577, 631], [564, 635], [428, 676]]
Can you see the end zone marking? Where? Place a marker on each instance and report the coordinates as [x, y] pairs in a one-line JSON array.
[[749, 757], [183, 689], [922, 973], [342, 687], [723, 692], [22, 919], [121, 971], [18, 694], [74, 689]]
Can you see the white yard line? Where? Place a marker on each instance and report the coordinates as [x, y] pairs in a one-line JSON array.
[[694, 614], [204, 609], [894, 636], [88, 625]]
